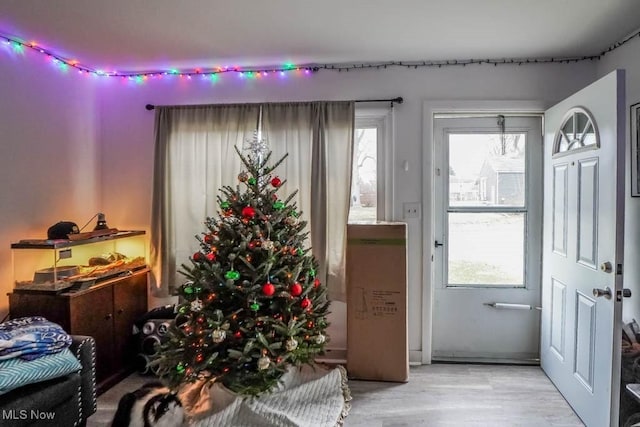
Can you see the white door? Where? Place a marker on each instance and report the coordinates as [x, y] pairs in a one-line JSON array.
[[488, 200], [583, 248]]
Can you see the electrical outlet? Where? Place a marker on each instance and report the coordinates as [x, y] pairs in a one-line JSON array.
[[411, 210]]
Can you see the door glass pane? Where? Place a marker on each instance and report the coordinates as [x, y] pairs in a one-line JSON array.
[[364, 180], [487, 169], [486, 248]]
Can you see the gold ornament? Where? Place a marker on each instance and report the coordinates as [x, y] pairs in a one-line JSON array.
[[263, 363], [218, 335]]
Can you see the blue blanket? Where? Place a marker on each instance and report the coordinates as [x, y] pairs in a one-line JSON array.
[[31, 337]]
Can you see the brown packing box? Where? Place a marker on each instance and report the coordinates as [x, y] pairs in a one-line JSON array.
[[377, 336]]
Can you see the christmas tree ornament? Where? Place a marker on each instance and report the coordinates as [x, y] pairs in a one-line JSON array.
[[296, 289], [197, 256], [196, 305], [248, 212], [237, 335], [225, 205], [316, 283], [180, 368], [243, 176], [268, 289], [305, 303], [291, 221], [254, 306], [232, 275], [276, 182], [278, 205], [208, 239], [291, 344], [218, 335], [312, 272], [263, 363], [211, 256], [319, 339], [252, 181]]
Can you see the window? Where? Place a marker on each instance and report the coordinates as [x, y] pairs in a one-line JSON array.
[[368, 180], [487, 205]]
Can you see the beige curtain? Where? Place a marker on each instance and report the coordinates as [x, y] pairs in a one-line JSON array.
[[318, 136], [194, 158]]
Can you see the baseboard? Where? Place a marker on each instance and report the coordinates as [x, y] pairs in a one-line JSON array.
[[415, 357], [333, 356]]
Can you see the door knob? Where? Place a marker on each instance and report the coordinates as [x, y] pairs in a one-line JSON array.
[[606, 267], [606, 292]]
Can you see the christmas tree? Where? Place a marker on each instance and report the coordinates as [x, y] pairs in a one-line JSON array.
[[253, 305]]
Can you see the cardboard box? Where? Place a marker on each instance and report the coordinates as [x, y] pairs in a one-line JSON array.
[[377, 319]]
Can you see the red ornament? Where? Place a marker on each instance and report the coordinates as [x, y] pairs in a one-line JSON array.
[[296, 289], [248, 212], [208, 239], [268, 289], [238, 334], [211, 256], [316, 283], [305, 303], [197, 256], [276, 182]]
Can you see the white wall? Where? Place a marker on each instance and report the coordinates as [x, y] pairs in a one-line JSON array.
[[127, 132], [627, 57], [48, 152]]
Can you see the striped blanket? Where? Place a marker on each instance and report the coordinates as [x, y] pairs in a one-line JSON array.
[[31, 337]]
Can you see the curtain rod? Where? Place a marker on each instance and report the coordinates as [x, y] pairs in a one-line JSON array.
[[397, 100]]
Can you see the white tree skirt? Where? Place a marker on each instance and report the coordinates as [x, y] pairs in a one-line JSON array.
[[307, 397]]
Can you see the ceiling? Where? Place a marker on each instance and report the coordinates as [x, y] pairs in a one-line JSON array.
[[141, 35]]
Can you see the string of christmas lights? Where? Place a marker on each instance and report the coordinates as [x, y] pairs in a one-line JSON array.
[[258, 72]]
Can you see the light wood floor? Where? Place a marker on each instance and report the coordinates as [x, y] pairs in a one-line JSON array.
[[436, 395]]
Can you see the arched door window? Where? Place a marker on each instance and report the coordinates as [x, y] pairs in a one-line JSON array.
[[577, 132]]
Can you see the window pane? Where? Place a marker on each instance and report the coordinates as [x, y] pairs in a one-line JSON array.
[[364, 182], [486, 249], [487, 169]]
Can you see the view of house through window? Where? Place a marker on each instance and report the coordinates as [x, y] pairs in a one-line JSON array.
[[364, 180], [486, 209]]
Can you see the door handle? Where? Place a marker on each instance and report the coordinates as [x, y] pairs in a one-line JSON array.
[[606, 292], [438, 244]]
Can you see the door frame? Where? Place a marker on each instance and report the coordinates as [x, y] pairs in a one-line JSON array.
[[429, 109]]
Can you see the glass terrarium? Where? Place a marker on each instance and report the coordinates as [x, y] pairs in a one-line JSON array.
[[66, 265]]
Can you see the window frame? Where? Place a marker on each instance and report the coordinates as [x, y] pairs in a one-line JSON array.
[[382, 120]]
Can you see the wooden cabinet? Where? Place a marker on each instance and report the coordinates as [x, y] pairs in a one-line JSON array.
[[105, 311]]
